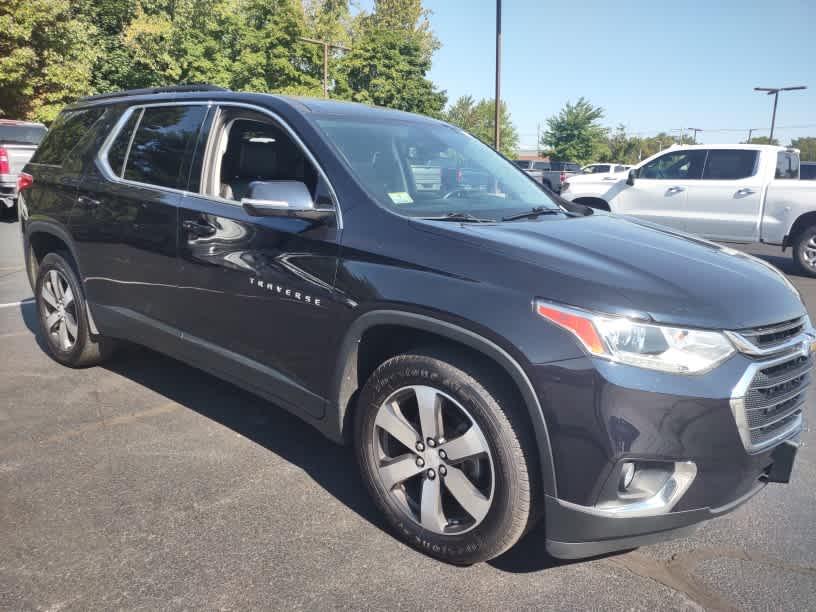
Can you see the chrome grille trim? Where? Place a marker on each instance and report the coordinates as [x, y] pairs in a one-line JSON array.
[[773, 338], [763, 419]]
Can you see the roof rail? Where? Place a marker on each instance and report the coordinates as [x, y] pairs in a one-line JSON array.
[[154, 90]]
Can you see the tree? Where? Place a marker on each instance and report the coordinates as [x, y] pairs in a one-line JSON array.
[[478, 118], [762, 140], [389, 60], [45, 58], [575, 134], [807, 145]]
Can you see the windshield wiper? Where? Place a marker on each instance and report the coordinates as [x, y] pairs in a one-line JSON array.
[[460, 216], [532, 214]]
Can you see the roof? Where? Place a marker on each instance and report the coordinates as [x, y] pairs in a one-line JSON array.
[[747, 147]]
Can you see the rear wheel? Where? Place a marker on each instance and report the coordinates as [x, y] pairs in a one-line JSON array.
[[445, 457], [804, 250], [63, 316]]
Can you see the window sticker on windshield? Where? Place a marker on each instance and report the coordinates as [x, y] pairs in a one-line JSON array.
[[400, 197]]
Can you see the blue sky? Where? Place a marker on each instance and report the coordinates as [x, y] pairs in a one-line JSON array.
[[653, 66]]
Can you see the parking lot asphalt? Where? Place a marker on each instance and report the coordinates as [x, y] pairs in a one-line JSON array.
[[147, 484]]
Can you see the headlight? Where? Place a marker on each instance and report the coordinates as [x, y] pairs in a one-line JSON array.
[[645, 345]]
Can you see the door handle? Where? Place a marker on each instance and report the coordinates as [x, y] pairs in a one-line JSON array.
[[86, 202], [199, 229], [675, 189], [610, 178], [745, 191]]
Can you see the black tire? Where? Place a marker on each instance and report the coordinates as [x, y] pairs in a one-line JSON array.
[[85, 350], [495, 408], [805, 243]]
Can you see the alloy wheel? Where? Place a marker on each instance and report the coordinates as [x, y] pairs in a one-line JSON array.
[[58, 310], [433, 459], [809, 254]]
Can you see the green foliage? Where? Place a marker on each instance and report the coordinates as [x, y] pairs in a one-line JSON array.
[[575, 133], [45, 57], [478, 118], [807, 145], [53, 51], [763, 140], [388, 63]]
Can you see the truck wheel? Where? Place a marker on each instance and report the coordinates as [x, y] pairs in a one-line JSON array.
[[445, 456], [63, 316], [804, 251]]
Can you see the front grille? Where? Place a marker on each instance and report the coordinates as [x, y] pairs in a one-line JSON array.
[[775, 397], [773, 335]]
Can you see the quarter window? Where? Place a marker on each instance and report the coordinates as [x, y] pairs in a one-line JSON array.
[[677, 165], [164, 138], [787, 165], [730, 164], [65, 134]]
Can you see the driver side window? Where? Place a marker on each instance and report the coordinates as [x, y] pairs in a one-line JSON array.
[[676, 165], [250, 147]]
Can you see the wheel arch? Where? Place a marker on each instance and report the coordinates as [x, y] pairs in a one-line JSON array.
[[801, 223], [41, 238], [351, 361]]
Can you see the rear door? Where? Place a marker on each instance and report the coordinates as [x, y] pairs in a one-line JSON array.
[[257, 290], [660, 188], [726, 203], [126, 216]]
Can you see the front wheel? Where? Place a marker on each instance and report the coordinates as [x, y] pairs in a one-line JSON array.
[[446, 456], [804, 251]]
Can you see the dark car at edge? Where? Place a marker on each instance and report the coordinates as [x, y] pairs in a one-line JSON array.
[[496, 357]]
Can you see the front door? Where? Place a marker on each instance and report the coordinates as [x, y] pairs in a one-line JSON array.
[[257, 290], [725, 204], [660, 189]]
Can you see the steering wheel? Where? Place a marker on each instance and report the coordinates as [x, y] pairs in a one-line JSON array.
[[450, 194]]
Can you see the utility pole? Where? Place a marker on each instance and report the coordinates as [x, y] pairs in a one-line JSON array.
[[326, 46], [497, 135], [695, 130], [750, 131], [774, 91], [538, 139]]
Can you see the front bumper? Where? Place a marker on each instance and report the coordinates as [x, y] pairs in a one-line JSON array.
[[602, 415], [575, 531]]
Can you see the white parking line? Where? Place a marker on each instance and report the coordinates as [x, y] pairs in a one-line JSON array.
[[20, 303]]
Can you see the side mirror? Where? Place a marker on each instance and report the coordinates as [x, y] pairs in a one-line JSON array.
[[630, 180], [281, 199]]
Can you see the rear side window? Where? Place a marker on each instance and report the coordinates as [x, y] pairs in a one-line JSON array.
[[541, 166], [117, 152], [164, 137], [620, 168], [730, 164], [65, 133], [787, 165]]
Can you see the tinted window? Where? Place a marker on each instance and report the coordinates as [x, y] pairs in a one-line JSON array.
[[119, 147], [164, 137], [22, 134], [729, 164], [598, 168], [675, 165], [619, 168], [541, 166], [787, 165], [64, 135], [807, 172], [525, 164]]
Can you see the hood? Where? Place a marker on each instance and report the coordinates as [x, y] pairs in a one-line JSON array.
[[617, 265]]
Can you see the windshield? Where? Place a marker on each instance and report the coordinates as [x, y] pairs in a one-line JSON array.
[[22, 134], [424, 169]]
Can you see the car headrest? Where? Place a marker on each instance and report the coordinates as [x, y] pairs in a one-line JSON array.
[[256, 159]]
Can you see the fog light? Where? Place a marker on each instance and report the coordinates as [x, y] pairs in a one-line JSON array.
[[627, 474]]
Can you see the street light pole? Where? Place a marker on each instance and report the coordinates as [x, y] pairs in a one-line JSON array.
[[497, 117], [695, 130], [326, 46], [774, 91]]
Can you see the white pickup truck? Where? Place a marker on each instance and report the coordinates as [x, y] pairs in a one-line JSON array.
[[729, 193]]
